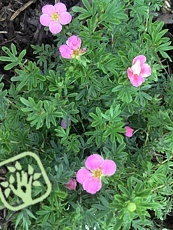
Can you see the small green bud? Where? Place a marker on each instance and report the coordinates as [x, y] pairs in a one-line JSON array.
[[131, 207]]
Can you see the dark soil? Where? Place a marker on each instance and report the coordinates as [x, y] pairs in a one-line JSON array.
[[19, 24]]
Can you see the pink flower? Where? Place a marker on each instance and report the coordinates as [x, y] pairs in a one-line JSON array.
[[54, 17], [139, 70], [96, 167], [72, 48], [71, 185], [129, 131]]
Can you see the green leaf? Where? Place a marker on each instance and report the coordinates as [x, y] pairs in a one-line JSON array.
[[144, 193], [18, 219], [29, 77], [78, 9], [61, 194], [36, 113], [30, 214], [9, 66], [125, 191], [12, 57], [87, 5], [22, 54], [13, 48], [118, 224]]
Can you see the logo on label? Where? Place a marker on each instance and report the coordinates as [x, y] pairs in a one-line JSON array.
[[23, 184]]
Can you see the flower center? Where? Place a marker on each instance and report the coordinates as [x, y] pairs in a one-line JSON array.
[[55, 16], [97, 173], [76, 52]]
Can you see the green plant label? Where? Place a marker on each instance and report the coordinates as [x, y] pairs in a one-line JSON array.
[[24, 184]]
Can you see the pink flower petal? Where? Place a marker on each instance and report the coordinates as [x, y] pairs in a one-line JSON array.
[[137, 80], [74, 42], [48, 9], [65, 18], [141, 58], [108, 168], [45, 19], [82, 175], [129, 131], [60, 7], [146, 70], [92, 185], [130, 73], [94, 162], [65, 51], [136, 68], [55, 27]]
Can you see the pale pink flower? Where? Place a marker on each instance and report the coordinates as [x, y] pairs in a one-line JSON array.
[[72, 48], [71, 185], [139, 70], [96, 167], [129, 131], [55, 16]]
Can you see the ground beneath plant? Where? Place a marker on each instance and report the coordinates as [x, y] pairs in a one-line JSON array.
[[19, 24]]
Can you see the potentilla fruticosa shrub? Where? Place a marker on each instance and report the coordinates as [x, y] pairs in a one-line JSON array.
[[96, 107]]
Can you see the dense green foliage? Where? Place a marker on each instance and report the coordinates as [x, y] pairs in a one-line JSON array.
[[95, 93]]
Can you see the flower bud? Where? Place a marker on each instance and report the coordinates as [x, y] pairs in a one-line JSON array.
[[131, 207], [71, 185]]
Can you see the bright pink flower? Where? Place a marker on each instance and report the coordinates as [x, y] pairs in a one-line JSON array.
[[74, 42], [129, 131], [96, 167], [72, 49], [71, 185], [139, 70], [54, 17]]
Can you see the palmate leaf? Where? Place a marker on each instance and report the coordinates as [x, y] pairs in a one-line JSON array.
[[97, 118], [160, 43], [36, 113], [114, 13], [12, 57], [29, 77], [85, 12], [112, 131], [40, 111], [51, 113], [124, 92]]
